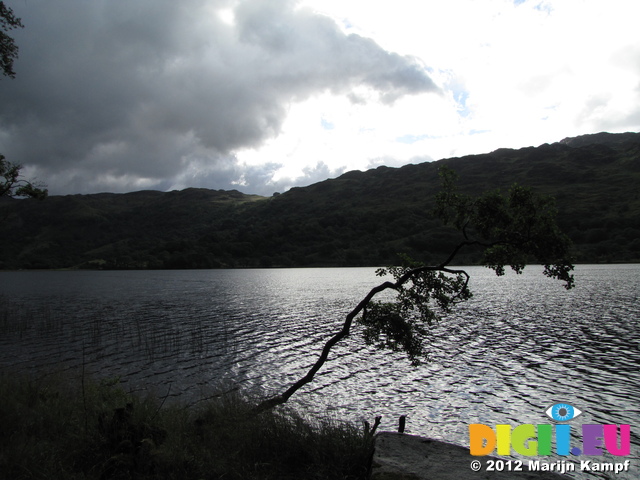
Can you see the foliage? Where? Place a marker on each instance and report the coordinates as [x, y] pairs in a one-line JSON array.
[[402, 325], [512, 229], [11, 185], [56, 427], [8, 48]]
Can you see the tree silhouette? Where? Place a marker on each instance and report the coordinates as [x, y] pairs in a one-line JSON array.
[[512, 229], [8, 48], [11, 185]]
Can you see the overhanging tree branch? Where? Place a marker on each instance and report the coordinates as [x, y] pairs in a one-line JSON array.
[[513, 230], [346, 328]]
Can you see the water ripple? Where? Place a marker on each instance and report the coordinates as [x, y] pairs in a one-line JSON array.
[[521, 344]]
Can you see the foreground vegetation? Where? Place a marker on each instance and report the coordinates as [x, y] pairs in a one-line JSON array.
[[56, 428]]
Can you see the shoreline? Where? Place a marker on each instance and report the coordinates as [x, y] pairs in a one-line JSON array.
[[399, 456]]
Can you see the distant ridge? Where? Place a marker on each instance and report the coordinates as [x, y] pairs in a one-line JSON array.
[[356, 219], [602, 138]]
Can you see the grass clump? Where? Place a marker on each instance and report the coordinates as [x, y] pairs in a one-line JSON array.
[[55, 428]]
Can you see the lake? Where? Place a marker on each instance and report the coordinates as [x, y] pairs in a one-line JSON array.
[[521, 344]]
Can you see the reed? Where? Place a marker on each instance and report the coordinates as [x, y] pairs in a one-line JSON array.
[[59, 427], [18, 318]]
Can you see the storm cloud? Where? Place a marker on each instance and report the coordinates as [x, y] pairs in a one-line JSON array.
[[120, 95]]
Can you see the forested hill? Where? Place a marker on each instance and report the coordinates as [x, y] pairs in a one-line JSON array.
[[359, 218]]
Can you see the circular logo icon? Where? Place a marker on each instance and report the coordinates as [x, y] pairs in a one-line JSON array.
[[562, 412]]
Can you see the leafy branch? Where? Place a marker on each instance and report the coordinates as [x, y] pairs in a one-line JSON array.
[[8, 48], [12, 185], [513, 229]]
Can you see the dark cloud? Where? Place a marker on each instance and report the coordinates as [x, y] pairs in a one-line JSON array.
[[119, 95]]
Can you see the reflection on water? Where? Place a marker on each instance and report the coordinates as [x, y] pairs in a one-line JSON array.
[[521, 344]]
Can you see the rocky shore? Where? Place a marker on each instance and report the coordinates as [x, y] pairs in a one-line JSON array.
[[408, 457]]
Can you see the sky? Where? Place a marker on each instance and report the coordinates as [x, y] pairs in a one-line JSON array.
[[264, 95]]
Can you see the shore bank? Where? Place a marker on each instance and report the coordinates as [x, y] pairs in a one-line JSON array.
[[399, 456]]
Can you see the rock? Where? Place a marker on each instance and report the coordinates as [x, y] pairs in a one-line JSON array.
[[409, 457]]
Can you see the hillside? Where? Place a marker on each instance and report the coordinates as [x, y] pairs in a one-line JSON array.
[[359, 218]]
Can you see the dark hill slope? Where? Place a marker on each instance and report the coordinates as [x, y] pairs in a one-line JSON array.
[[369, 216], [134, 230], [359, 218]]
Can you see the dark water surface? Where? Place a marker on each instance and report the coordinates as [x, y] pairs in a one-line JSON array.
[[520, 345]]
